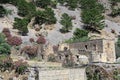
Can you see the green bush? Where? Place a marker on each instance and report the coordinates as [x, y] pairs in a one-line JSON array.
[[46, 3], [2, 11], [92, 18], [92, 14], [45, 17], [66, 22], [4, 46], [50, 16], [42, 3], [4, 1], [21, 25], [79, 36], [5, 63], [80, 33], [21, 69], [72, 4], [20, 66], [25, 9]]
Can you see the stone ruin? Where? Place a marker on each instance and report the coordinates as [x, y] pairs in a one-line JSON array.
[[98, 50]]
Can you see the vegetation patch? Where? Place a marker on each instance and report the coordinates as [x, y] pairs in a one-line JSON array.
[[72, 4], [5, 63], [92, 15], [66, 22], [46, 3], [2, 11], [21, 25], [20, 66], [4, 46], [78, 36], [45, 17]]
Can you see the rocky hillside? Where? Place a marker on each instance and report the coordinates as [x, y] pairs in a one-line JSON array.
[[51, 30]]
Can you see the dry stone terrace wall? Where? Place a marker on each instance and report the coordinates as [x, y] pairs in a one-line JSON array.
[[65, 74]]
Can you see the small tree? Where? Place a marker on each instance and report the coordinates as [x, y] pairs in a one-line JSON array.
[[2, 11], [45, 17], [14, 41], [66, 22], [92, 15], [4, 46], [72, 4], [78, 36], [21, 25], [80, 33], [41, 40], [25, 9], [30, 50], [50, 16], [93, 19]]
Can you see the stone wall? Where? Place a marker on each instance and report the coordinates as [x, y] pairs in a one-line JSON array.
[[109, 50], [101, 50], [62, 46], [92, 45], [63, 74]]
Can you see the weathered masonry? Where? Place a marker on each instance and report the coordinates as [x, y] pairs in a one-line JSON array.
[[65, 74], [99, 50]]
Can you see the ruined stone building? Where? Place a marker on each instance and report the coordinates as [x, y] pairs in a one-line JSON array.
[[99, 50]]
